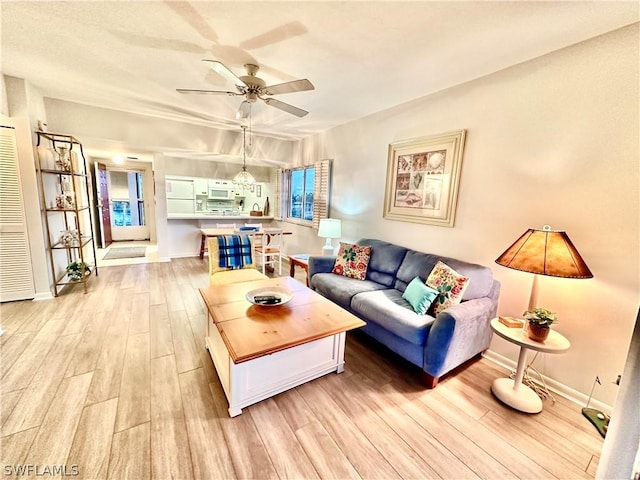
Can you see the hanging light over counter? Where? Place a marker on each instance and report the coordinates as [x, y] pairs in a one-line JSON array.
[[243, 178]]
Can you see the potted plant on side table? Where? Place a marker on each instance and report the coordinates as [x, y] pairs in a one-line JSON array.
[[539, 323]]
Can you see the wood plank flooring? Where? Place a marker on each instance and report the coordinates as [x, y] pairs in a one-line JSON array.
[[117, 384]]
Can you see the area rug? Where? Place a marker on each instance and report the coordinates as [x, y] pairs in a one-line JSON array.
[[125, 252]]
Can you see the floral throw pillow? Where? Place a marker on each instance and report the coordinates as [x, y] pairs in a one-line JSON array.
[[352, 260], [449, 284]]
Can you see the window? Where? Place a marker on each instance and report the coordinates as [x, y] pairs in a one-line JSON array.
[[302, 194], [301, 188]]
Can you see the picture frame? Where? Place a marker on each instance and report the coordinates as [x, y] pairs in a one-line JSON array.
[[259, 191], [423, 179]]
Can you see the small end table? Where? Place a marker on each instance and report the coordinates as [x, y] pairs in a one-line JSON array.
[[300, 260], [513, 392]]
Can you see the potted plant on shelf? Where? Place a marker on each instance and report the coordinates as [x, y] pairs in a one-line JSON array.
[[76, 270], [539, 323]]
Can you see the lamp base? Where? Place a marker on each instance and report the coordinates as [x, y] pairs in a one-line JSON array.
[[327, 250], [598, 419]]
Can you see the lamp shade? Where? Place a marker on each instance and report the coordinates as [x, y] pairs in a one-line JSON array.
[[330, 228], [545, 252]]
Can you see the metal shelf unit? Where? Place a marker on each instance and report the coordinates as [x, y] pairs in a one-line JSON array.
[[65, 193]]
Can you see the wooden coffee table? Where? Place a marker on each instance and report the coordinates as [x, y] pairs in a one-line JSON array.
[[260, 351]]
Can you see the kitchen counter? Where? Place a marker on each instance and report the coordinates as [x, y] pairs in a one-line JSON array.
[[209, 216]]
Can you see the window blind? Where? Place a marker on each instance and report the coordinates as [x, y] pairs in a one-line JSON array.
[[322, 191], [278, 195]]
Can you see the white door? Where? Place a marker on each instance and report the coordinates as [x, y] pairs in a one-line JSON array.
[[16, 274], [127, 205]]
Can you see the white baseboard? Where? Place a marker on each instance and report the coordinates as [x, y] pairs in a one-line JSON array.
[[569, 393], [43, 296]]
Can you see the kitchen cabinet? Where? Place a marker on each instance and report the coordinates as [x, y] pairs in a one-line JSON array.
[[201, 186]]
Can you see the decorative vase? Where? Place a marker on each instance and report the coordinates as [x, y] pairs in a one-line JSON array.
[[63, 161], [537, 333]]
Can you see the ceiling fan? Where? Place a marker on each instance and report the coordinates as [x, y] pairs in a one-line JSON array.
[[254, 88]]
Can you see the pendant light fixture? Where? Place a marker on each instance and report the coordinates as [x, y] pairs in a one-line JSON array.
[[243, 178]]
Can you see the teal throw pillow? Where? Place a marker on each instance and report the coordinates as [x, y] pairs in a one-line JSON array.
[[419, 295]]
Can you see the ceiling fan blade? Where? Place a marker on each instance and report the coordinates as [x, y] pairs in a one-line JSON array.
[[298, 112], [278, 34], [207, 92], [225, 72], [290, 87]]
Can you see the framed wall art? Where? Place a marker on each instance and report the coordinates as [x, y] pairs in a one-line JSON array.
[[423, 177]]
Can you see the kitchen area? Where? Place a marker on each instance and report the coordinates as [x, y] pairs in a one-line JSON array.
[[219, 199], [194, 203]]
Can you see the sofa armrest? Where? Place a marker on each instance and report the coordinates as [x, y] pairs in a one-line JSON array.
[[320, 264], [459, 333]]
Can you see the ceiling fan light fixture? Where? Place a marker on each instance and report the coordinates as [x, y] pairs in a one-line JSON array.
[[243, 178], [244, 110]]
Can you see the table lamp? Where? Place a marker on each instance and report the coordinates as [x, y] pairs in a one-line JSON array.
[[549, 252], [544, 252], [329, 228]]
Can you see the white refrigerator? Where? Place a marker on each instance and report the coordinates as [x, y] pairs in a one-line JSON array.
[[180, 196]]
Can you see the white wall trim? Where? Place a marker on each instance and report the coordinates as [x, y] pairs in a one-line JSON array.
[[43, 296], [556, 387]]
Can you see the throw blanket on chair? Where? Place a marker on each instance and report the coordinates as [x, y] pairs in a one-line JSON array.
[[235, 251]]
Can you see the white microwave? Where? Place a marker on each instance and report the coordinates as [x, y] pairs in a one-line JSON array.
[[221, 192]]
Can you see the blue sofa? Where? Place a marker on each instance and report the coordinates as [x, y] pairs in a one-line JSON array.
[[437, 345]]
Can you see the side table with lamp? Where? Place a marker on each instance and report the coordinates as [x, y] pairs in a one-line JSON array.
[[541, 252], [514, 392]]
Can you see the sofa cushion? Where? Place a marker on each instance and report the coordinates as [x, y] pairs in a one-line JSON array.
[[449, 284], [388, 309], [341, 289], [419, 295], [481, 277], [352, 260], [384, 262], [421, 264], [415, 264]]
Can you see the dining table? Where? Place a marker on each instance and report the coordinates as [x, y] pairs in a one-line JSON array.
[[219, 232]]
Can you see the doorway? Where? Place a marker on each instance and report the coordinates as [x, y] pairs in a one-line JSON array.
[[122, 204]]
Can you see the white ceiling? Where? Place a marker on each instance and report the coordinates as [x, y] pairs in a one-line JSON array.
[[362, 57]]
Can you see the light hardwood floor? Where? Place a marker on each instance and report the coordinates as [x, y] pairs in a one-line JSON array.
[[117, 384]]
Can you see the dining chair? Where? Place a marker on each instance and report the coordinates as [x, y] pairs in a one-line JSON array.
[[270, 252], [256, 239]]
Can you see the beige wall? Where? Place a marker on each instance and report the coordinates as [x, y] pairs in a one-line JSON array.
[[550, 141]]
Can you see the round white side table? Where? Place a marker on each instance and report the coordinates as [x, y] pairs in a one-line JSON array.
[[513, 392]]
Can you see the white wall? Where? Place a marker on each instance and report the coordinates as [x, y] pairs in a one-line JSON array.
[[550, 141], [97, 127]]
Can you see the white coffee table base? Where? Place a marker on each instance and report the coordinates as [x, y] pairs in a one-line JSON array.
[[523, 399], [249, 382]]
